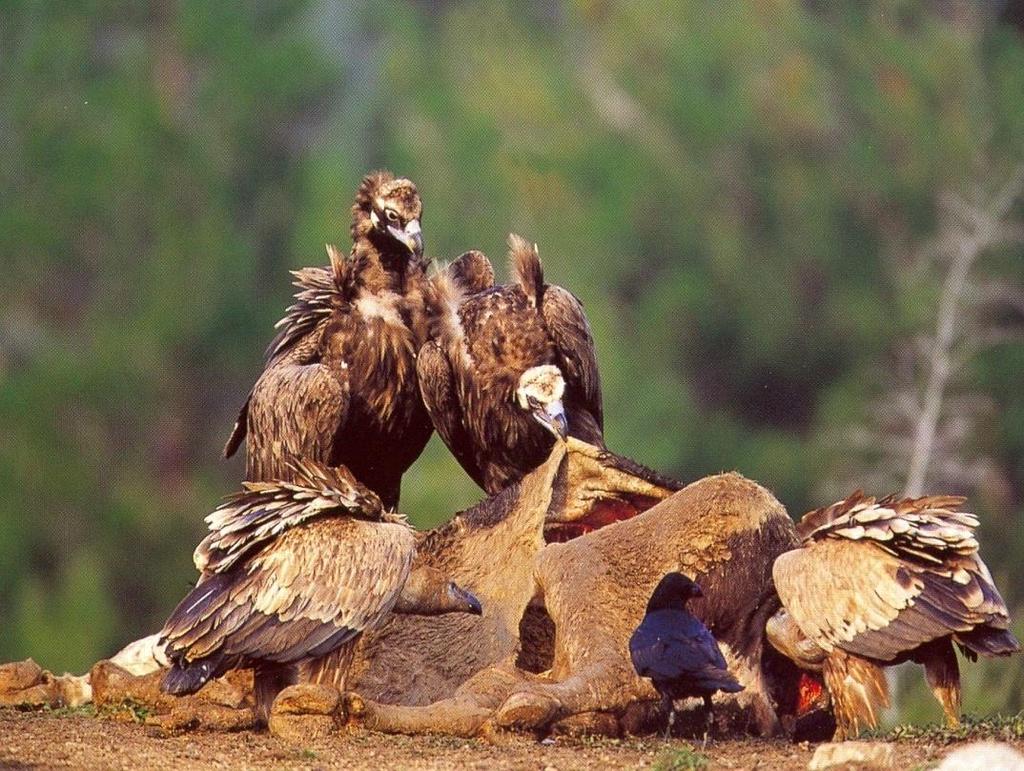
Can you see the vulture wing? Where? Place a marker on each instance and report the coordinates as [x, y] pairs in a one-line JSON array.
[[880, 579], [568, 326], [309, 591], [251, 519], [296, 409], [296, 343], [291, 571], [440, 395]]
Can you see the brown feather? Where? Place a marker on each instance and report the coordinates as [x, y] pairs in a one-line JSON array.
[[524, 265], [472, 271], [859, 693], [893, 580]]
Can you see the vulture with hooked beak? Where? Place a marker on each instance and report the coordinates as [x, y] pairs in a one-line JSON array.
[[879, 583], [339, 386], [293, 571], [515, 372]]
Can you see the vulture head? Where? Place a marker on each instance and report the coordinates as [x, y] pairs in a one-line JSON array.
[[673, 591], [540, 392], [387, 211], [429, 592]]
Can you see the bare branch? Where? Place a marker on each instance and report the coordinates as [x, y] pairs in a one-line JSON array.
[[987, 224]]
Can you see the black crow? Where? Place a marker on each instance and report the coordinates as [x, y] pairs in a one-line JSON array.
[[677, 652]]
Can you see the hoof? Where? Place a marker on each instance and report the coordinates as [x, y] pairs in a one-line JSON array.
[[588, 724], [304, 712], [526, 710]]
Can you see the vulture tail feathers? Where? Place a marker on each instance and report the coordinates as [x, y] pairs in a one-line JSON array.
[[442, 298], [525, 265]]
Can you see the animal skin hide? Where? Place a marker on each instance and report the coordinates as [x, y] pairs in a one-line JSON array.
[[551, 650]]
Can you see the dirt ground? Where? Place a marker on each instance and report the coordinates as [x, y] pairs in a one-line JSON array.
[[48, 740]]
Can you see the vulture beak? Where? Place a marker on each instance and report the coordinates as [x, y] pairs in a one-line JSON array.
[[464, 600], [411, 236], [552, 417]]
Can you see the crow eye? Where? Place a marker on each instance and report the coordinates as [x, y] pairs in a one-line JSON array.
[[391, 214]]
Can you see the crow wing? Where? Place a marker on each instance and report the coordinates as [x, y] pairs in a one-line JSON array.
[[670, 645]]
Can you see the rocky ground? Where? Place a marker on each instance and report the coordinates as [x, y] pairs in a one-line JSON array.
[[122, 739]]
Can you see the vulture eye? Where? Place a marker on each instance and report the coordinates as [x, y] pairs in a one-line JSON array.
[[391, 214]]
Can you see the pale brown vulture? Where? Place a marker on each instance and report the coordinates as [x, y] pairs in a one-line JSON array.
[[339, 385], [878, 583], [517, 370], [293, 571]]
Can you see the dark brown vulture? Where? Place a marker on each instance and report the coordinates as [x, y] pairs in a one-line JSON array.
[[339, 385], [293, 571], [518, 369], [879, 583]]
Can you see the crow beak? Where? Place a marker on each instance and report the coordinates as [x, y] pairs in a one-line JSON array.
[[467, 602], [552, 417], [412, 237]]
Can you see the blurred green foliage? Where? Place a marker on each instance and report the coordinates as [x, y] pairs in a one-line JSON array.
[[736, 191]]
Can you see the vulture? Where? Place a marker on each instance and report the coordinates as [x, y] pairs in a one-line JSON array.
[[339, 386], [677, 652], [294, 571], [515, 371], [877, 583]]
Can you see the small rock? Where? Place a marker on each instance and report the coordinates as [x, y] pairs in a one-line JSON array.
[[860, 754], [42, 695], [990, 756], [306, 699], [73, 690], [19, 675]]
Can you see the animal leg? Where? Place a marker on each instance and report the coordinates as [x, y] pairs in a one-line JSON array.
[[668, 706], [859, 692], [943, 675], [268, 681], [709, 718]]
